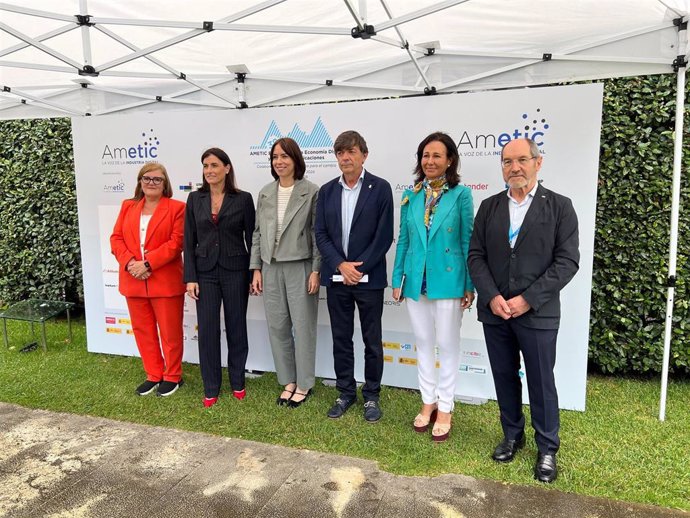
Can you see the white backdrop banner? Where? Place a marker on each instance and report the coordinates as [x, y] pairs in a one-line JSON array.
[[564, 121]]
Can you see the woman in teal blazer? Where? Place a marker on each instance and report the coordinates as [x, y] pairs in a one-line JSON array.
[[431, 272]]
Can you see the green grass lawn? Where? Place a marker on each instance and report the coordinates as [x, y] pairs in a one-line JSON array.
[[616, 449]]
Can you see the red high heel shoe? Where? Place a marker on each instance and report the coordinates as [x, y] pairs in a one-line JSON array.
[[240, 394], [210, 401]]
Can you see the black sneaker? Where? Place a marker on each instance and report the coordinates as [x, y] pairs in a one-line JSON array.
[[168, 388], [372, 411], [340, 407], [147, 387]]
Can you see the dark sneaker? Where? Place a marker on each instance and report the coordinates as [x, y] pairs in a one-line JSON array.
[[168, 388], [340, 407], [147, 387], [372, 411]]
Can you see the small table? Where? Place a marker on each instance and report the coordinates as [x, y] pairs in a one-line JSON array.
[[34, 310]]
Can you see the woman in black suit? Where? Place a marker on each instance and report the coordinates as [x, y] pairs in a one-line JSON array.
[[219, 222]]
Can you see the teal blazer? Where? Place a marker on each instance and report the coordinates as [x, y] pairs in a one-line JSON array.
[[443, 254]]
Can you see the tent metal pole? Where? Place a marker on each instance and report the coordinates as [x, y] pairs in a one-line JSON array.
[[37, 44], [85, 34], [42, 37], [35, 12], [45, 102], [675, 212], [394, 22], [554, 57], [170, 69], [354, 14], [404, 44], [394, 63], [150, 50], [251, 10], [564, 52]]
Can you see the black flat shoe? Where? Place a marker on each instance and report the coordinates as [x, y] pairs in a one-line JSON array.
[[340, 406], [281, 401], [545, 470], [507, 449], [294, 404]]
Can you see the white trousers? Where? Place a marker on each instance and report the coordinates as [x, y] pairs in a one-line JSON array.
[[437, 322]]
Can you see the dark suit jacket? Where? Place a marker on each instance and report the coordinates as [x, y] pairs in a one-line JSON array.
[[227, 244], [544, 259], [371, 233]]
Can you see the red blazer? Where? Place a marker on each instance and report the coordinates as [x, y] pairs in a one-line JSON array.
[[162, 248]]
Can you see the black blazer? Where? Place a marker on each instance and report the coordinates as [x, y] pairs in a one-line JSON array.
[[544, 259], [371, 233], [227, 244]]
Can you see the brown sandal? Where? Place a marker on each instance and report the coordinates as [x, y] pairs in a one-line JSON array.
[[421, 423], [440, 432]]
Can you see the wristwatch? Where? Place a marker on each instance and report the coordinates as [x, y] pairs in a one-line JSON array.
[[148, 266]]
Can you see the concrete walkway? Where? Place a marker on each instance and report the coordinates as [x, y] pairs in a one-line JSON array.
[[66, 466]]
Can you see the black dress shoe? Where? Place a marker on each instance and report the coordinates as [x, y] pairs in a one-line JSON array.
[[294, 404], [340, 407], [545, 470], [507, 449], [372, 411]]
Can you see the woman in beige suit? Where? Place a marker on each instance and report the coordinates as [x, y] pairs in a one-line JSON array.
[[286, 263]]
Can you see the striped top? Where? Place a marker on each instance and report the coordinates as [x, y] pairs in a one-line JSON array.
[[284, 194]]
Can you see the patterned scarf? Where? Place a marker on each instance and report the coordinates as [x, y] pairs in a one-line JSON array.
[[433, 190]]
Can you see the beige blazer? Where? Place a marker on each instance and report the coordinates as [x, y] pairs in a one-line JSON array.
[[297, 241]]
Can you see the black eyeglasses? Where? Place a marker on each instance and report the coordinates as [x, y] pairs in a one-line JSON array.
[[155, 180], [522, 161]]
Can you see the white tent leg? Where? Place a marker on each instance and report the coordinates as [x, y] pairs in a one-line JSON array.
[[675, 210], [85, 35]]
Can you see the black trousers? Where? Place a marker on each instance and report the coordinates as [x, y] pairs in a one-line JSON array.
[[504, 342], [341, 308], [232, 289]]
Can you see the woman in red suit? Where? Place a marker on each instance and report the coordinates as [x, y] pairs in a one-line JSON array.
[[147, 243]]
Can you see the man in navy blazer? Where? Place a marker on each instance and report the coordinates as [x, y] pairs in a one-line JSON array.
[[523, 251], [354, 230]]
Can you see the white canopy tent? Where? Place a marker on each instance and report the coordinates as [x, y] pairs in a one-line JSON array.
[[91, 57]]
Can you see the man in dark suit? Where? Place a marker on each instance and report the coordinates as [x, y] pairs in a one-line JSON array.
[[354, 229], [524, 250]]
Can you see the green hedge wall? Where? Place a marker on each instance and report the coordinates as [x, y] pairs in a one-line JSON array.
[[39, 243], [632, 230], [39, 237]]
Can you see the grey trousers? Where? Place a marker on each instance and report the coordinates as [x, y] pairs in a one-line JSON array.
[[291, 317]]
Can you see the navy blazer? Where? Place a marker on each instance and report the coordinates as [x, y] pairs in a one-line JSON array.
[[227, 244], [371, 233], [544, 260]]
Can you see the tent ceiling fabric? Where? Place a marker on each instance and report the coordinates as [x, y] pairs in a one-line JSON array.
[[155, 55]]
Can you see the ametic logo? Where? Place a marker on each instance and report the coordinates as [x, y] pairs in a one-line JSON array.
[[535, 127], [532, 125], [146, 150]]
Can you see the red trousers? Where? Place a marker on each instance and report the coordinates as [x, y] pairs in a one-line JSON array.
[[150, 316]]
